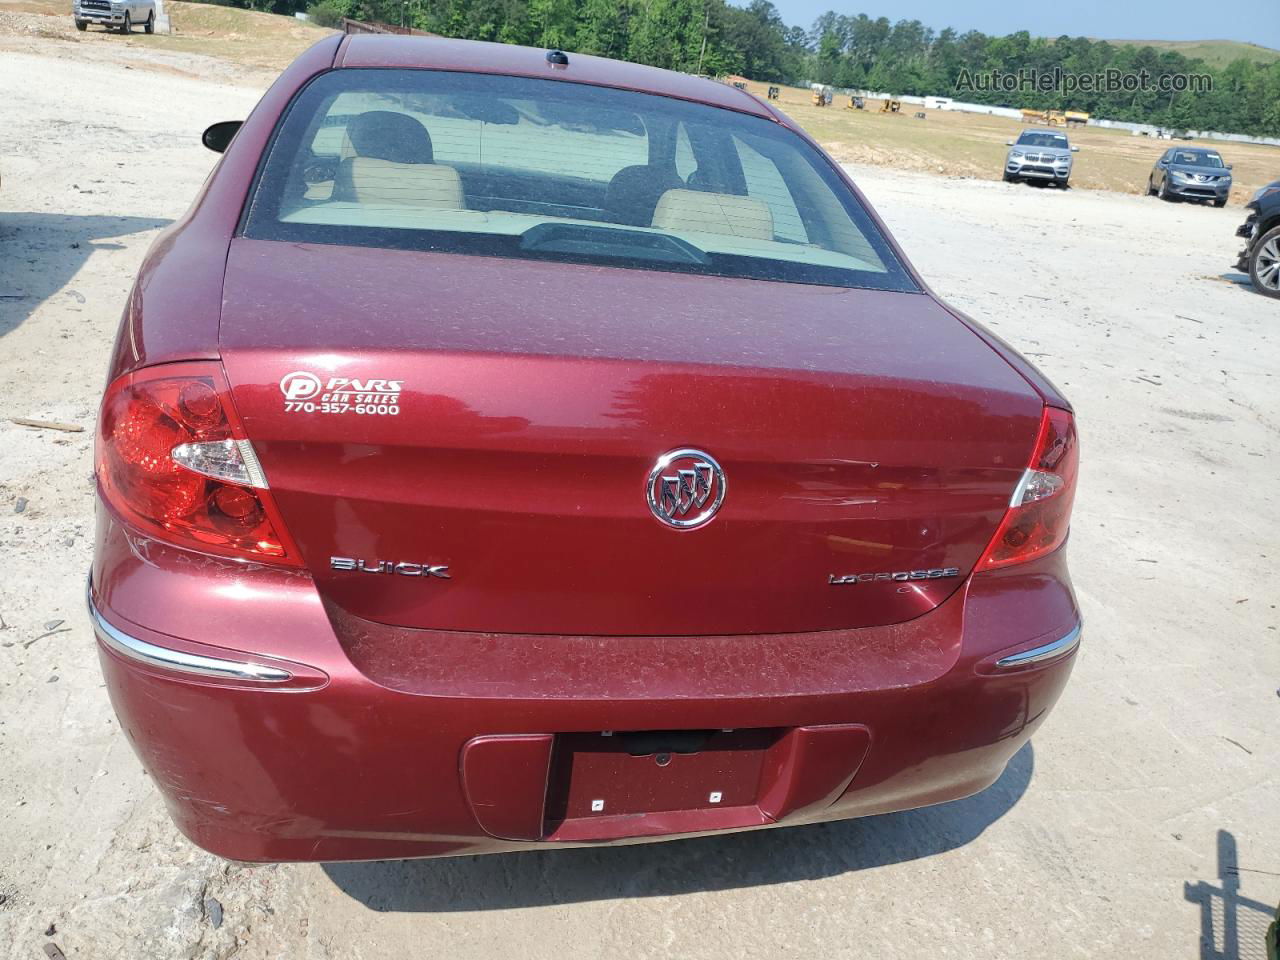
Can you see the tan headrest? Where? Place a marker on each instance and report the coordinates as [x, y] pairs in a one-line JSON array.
[[725, 213], [387, 135], [428, 185]]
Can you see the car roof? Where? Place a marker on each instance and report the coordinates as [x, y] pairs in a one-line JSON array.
[[473, 56], [1056, 133]]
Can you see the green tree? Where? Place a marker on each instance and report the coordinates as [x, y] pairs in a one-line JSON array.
[[552, 23], [830, 61], [602, 28]]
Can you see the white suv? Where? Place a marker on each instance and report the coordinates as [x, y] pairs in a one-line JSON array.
[[1043, 155]]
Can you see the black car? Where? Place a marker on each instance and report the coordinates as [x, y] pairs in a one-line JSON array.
[[1261, 256], [1190, 173]]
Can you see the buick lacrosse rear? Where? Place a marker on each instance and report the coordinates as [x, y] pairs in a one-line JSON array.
[[513, 449]]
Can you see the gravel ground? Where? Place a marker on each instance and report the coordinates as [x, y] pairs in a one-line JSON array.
[[1142, 821]]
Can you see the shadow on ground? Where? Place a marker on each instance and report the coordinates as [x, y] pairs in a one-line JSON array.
[[1237, 279], [1232, 926], [41, 252], [725, 862]]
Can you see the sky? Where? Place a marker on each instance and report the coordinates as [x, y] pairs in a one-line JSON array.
[[1254, 21]]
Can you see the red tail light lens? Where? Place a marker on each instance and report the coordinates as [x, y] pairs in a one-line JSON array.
[[173, 461], [1040, 511]]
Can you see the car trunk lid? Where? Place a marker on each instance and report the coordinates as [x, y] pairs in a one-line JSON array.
[[501, 418]]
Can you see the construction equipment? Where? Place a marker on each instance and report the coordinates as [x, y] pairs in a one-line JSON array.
[[919, 114], [891, 106], [821, 95], [856, 103], [1050, 118], [1077, 118], [774, 93]]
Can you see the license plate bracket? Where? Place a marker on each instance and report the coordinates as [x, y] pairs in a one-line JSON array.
[[654, 772], [589, 787]]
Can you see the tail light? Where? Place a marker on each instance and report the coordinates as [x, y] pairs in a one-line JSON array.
[[1040, 510], [173, 461]]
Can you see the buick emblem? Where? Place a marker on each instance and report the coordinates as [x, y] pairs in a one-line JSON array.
[[685, 488]]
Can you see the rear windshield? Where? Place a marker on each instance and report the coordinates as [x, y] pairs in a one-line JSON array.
[[545, 169]]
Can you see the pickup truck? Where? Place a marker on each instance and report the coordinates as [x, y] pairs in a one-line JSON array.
[[121, 14]]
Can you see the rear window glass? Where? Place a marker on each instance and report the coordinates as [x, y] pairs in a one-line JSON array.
[[545, 169]]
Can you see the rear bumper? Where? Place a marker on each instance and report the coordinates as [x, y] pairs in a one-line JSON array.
[[370, 748]]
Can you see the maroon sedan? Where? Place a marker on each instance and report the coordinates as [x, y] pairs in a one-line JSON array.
[[513, 449]]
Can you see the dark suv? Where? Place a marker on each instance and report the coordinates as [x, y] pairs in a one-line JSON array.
[[1185, 173], [1261, 256]]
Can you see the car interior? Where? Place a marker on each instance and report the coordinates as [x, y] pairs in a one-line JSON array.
[[696, 180], [387, 158]]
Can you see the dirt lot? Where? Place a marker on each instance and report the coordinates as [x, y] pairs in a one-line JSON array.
[[1142, 821], [203, 37], [974, 145]]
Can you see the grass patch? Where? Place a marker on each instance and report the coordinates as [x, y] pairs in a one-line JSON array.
[[256, 39]]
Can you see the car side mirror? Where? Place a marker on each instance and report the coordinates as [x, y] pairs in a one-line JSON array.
[[1162, 163], [1008, 143], [1229, 166], [1075, 149], [217, 137]]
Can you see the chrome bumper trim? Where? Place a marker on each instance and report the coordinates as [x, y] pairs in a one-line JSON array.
[[149, 653], [1046, 652]]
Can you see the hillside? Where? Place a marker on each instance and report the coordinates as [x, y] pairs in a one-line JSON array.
[[249, 37], [1216, 53]]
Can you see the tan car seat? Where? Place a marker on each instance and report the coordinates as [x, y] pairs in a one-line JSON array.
[[724, 213], [387, 158]]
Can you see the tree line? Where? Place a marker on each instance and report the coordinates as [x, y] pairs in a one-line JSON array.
[[857, 52], [908, 57]]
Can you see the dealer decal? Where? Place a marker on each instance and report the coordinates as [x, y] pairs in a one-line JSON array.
[[306, 393]]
